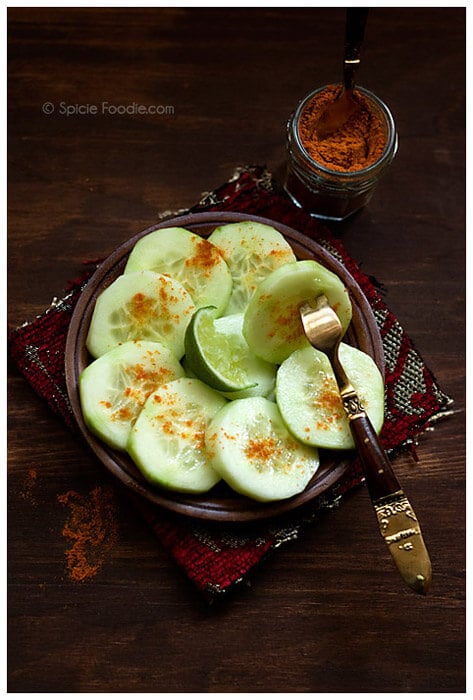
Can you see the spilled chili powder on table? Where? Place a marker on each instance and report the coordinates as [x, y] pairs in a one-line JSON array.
[[92, 528], [29, 486]]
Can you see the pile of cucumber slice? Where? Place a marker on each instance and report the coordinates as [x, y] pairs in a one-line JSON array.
[[201, 371]]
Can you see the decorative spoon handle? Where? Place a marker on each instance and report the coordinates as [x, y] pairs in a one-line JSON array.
[[397, 521], [380, 478]]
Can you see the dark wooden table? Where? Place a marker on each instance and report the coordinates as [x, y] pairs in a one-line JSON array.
[[327, 612]]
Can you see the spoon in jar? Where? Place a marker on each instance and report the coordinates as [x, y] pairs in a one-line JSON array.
[[339, 111]]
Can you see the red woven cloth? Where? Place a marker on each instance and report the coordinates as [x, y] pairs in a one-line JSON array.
[[216, 556]]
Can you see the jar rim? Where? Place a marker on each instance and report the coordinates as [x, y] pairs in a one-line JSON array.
[[388, 152]]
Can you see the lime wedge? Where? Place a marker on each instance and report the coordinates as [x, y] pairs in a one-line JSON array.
[[216, 357]]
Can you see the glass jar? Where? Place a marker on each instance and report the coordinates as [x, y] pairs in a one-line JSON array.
[[333, 194]]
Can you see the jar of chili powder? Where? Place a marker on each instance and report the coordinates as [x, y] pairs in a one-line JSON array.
[[327, 188]]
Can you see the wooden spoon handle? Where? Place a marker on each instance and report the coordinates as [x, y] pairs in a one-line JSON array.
[[356, 18], [380, 478]]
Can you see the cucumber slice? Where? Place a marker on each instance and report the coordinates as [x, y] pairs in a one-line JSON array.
[[192, 260], [254, 452], [167, 441], [140, 306], [272, 325], [113, 389], [251, 251], [309, 401], [217, 352]]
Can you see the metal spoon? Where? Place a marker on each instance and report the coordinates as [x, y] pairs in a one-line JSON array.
[[397, 521], [339, 111]]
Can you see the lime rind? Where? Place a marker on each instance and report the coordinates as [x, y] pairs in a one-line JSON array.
[[215, 357]]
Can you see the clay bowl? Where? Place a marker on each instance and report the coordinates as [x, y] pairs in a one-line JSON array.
[[221, 503]]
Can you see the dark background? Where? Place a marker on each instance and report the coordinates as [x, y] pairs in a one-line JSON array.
[[325, 613]]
